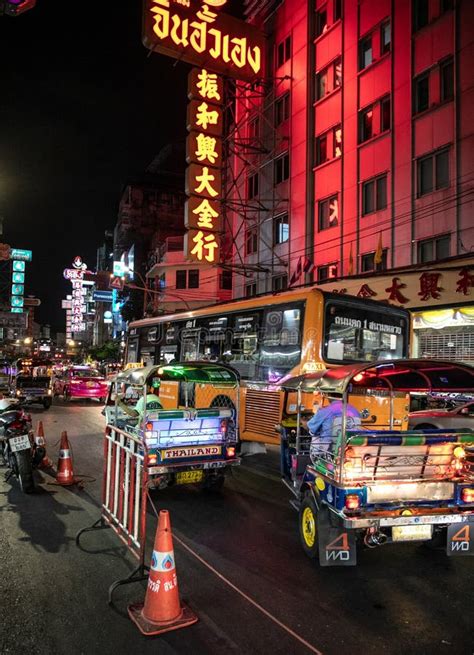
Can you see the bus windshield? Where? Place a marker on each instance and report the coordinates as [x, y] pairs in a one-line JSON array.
[[353, 333]]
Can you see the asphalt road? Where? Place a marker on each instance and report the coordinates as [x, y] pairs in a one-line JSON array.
[[53, 596]]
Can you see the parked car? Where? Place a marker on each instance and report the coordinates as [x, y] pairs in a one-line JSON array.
[[81, 382], [455, 418]]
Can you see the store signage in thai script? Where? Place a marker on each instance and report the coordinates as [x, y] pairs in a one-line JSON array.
[[199, 34], [203, 175]]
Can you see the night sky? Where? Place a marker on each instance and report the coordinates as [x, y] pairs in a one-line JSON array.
[[83, 109]]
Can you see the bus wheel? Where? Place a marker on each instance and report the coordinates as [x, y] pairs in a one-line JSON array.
[[309, 527]]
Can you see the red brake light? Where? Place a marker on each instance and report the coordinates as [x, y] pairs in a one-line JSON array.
[[230, 451], [352, 501], [149, 426], [16, 425], [223, 427], [467, 495]]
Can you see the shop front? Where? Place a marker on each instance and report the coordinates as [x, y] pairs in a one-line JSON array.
[[440, 297]]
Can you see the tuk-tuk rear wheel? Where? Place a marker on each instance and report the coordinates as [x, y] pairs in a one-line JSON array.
[[309, 527]]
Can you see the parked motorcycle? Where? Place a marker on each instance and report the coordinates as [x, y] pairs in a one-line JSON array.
[[17, 445]]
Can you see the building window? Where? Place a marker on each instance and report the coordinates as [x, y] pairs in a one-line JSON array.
[[254, 127], [420, 13], [251, 240], [279, 283], [322, 87], [252, 186], [337, 74], [374, 195], [327, 272], [422, 93], [329, 79], [250, 289], [430, 250], [181, 279], [225, 280], [366, 124], [368, 264], [193, 279], [337, 10], [321, 21], [283, 52], [337, 141], [187, 279], [321, 149], [328, 213], [281, 229], [385, 114], [281, 170], [282, 109], [365, 53], [385, 38], [447, 81], [433, 172]]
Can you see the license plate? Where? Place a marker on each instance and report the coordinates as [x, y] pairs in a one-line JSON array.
[[188, 477], [19, 443], [412, 532]]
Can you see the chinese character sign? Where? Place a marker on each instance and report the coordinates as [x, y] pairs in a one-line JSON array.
[[200, 34], [203, 175], [75, 316]]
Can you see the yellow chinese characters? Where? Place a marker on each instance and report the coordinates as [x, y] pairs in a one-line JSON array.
[[206, 116], [206, 148], [205, 247], [208, 86], [205, 183], [206, 215]]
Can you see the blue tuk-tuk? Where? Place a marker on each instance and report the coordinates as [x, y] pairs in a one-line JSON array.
[[377, 482]]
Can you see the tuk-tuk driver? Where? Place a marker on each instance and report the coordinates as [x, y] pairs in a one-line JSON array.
[[325, 426], [146, 403]]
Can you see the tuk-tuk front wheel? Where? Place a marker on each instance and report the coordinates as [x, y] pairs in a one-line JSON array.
[[309, 527]]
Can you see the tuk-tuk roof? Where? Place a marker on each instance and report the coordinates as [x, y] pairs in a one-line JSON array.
[[187, 372], [429, 375]]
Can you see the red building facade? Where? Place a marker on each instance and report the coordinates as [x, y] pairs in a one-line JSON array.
[[355, 155]]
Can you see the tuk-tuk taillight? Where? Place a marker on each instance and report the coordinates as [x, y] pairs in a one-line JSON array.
[[223, 427], [352, 501], [467, 495], [230, 452]]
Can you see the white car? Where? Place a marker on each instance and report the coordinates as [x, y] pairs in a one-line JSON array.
[[453, 419]]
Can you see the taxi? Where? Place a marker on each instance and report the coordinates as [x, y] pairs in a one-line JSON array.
[[81, 382]]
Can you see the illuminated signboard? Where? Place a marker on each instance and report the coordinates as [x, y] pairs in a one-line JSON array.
[[18, 267], [18, 278], [195, 32], [75, 319], [203, 175], [24, 255], [18, 289]]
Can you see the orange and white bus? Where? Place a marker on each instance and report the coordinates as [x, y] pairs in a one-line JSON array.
[[267, 338]]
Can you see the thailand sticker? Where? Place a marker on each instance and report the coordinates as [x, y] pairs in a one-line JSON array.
[[162, 562]]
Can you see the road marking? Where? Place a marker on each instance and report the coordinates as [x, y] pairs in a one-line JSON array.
[[247, 598]]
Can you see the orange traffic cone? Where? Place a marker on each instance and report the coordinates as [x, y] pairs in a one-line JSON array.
[[65, 474], [162, 610], [40, 440]]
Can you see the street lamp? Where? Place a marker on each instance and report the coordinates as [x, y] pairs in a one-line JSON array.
[[27, 341]]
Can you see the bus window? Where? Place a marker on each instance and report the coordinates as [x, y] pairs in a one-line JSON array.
[[280, 350], [356, 334], [190, 345], [242, 352], [132, 350]]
